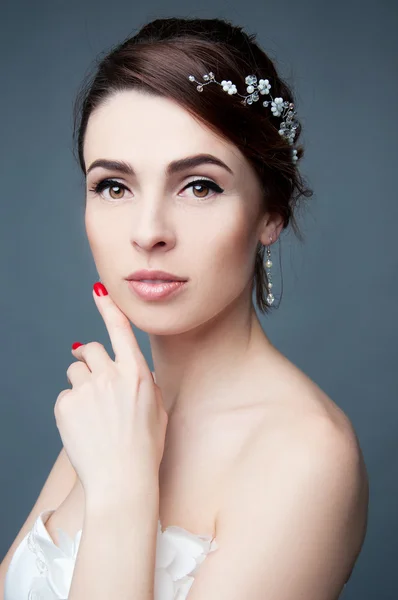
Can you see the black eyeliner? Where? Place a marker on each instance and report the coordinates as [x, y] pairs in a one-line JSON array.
[[104, 183]]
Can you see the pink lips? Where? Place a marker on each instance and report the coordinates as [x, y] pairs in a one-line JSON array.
[[154, 274], [155, 291]]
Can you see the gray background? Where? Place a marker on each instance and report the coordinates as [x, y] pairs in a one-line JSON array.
[[337, 319]]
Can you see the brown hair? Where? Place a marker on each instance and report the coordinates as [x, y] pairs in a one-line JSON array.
[[158, 59]]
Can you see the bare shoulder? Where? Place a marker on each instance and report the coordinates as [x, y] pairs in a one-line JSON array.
[[293, 511], [297, 408], [308, 428], [294, 519], [304, 465], [315, 441], [288, 442]]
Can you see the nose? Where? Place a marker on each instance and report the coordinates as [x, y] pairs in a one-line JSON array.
[[152, 231]]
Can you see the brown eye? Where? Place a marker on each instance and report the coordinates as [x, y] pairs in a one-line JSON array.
[[116, 189], [118, 194], [201, 191], [201, 188]]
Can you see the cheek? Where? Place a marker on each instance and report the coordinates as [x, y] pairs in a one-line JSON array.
[[103, 236], [229, 253]]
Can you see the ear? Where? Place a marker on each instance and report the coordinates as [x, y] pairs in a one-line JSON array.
[[270, 229]]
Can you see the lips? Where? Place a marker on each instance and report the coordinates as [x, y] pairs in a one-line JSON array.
[[154, 275], [156, 281], [156, 291]]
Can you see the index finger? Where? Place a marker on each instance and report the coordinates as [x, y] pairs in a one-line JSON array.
[[121, 335]]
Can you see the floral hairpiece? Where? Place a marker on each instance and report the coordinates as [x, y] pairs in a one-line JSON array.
[[279, 107]]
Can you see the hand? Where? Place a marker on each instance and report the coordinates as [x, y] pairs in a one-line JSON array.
[[112, 422]]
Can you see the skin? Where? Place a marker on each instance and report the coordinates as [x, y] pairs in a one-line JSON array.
[[248, 433], [208, 334]]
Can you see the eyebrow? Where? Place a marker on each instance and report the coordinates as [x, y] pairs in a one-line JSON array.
[[176, 166]]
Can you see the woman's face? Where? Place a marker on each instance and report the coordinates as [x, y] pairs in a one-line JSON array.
[[156, 219]]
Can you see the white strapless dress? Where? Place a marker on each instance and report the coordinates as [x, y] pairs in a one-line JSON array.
[[41, 570]]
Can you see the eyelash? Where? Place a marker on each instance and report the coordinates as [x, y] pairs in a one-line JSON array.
[[107, 183]]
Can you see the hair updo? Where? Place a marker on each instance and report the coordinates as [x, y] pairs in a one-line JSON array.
[[158, 60]]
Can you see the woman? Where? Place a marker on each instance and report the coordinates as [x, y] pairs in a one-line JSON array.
[[230, 456]]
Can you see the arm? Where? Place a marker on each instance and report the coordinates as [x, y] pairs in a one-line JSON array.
[[293, 521], [116, 557]]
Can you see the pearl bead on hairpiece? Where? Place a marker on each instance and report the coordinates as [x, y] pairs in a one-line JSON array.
[[279, 107]]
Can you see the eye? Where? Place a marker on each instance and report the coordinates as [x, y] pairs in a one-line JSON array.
[[112, 184], [206, 184]]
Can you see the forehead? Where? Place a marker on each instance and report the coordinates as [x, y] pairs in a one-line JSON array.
[[138, 127]]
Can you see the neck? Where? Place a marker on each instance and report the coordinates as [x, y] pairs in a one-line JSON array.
[[195, 367]]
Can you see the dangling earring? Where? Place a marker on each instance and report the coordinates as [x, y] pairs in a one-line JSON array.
[[268, 265]]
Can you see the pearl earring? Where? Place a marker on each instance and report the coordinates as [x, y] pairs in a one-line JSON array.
[[268, 265]]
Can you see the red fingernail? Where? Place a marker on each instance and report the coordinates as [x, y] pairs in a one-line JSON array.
[[100, 289], [76, 345]]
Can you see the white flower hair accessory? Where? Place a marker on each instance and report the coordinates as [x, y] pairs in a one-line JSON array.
[[279, 107]]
